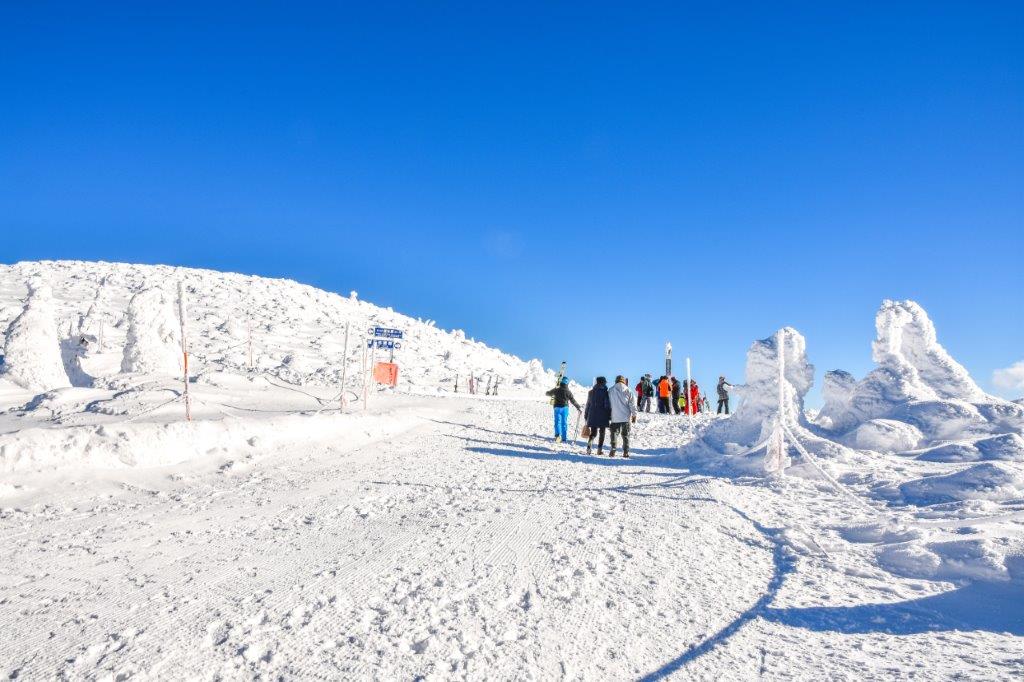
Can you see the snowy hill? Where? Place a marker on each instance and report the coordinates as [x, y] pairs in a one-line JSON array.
[[297, 330], [96, 348]]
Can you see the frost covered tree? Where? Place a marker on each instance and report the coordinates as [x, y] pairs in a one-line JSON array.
[[32, 356], [153, 345]]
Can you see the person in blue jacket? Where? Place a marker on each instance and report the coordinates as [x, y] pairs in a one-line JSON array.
[[598, 413], [562, 397]]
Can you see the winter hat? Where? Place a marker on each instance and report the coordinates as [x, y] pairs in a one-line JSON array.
[[565, 380], [601, 381]]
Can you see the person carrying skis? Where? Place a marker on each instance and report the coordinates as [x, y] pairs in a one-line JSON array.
[[675, 395], [723, 394], [598, 413], [561, 397], [623, 413]]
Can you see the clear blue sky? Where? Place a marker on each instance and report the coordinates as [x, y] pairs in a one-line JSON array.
[[581, 181]]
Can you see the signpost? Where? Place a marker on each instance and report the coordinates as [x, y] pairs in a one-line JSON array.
[[383, 338]]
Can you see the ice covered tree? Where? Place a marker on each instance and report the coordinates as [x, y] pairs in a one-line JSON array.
[[32, 356], [153, 344]]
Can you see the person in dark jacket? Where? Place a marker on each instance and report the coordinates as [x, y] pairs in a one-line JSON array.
[[723, 394], [647, 388], [562, 397], [675, 395], [598, 413]]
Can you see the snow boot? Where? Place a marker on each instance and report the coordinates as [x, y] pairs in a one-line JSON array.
[[588, 450], [611, 453], [599, 449], [625, 454]]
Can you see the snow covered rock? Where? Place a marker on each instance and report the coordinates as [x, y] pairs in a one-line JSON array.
[[988, 481], [32, 353], [884, 435], [153, 345]]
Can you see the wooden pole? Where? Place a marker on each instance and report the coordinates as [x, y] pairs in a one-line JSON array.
[[344, 367], [184, 348]]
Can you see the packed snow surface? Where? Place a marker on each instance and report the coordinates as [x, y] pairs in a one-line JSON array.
[[425, 534]]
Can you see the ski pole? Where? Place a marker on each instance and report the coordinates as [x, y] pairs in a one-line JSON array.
[[577, 433]]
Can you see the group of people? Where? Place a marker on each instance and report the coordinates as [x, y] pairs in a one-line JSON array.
[[614, 408], [608, 408], [678, 397]]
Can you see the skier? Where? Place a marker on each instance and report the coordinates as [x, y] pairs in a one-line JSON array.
[[623, 413], [723, 394], [675, 395], [664, 392], [561, 397], [598, 413]]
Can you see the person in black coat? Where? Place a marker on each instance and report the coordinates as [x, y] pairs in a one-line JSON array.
[[675, 396], [598, 413]]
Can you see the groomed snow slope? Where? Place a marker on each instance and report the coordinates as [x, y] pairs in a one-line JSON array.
[[458, 544]]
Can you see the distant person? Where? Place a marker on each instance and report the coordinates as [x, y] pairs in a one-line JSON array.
[[598, 413], [640, 392], [562, 396], [675, 395], [723, 394], [648, 393], [623, 414], [664, 394], [692, 392]]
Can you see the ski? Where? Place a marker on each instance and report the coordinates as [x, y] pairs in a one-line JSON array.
[[558, 381]]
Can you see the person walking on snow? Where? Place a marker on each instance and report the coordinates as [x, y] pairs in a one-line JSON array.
[[598, 413], [623, 414], [664, 392], [562, 397], [723, 394]]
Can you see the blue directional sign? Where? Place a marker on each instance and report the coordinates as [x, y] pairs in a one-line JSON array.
[[385, 333]]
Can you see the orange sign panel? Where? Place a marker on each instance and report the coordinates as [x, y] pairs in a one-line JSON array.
[[386, 373]]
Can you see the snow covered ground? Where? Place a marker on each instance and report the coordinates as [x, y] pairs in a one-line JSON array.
[[435, 535], [448, 538]]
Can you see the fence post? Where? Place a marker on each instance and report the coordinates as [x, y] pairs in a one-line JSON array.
[[249, 329], [344, 367], [184, 348]]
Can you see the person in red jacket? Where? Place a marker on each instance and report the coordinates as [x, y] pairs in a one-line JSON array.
[[692, 397]]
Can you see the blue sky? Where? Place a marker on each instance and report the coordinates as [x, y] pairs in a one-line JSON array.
[[581, 181]]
